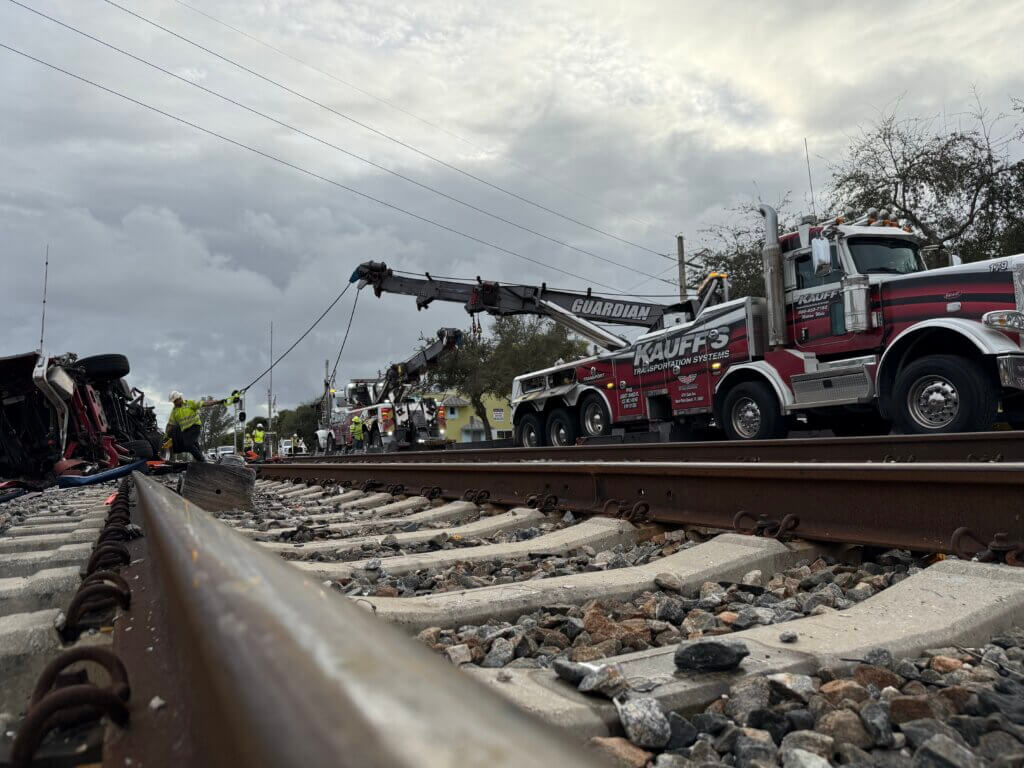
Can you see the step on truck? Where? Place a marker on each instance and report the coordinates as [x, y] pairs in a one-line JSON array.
[[854, 334]]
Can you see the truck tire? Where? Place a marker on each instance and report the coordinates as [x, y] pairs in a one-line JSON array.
[[375, 439], [595, 420], [141, 449], [330, 444], [105, 367], [751, 412], [529, 433], [940, 394], [560, 428]]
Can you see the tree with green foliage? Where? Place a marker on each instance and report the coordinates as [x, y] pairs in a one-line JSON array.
[[217, 426], [301, 421], [734, 246], [954, 179], [486, 365]]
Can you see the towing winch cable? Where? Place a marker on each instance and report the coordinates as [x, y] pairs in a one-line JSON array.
[[304, 335], [345, 339]]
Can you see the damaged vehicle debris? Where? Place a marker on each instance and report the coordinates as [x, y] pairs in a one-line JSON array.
[[64, 416]]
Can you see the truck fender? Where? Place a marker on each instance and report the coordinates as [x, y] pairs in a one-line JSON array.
[[988, 340], [765, 371]]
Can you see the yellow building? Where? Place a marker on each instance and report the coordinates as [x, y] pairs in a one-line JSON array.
[[464, 426]]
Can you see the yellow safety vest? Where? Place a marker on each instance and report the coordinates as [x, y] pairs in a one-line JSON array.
[[257, 436], [356, 430], [186, 415]]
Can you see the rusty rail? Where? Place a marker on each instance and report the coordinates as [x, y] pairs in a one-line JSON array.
[[973, 446], [912, 506], [278, 670]]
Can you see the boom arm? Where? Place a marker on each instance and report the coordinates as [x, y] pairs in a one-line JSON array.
[[578, 311], [399, 375]]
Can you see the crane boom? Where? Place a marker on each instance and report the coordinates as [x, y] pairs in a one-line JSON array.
[[579, 311]]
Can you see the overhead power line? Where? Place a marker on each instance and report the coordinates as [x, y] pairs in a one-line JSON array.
[[377, 131], [305, 333], [329, 144], [299, 168], [398, 108]]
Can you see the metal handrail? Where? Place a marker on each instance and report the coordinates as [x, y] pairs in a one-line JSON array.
[[286, 672]]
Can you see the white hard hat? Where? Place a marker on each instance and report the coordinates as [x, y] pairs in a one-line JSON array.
[[175, 396], [259, 426]]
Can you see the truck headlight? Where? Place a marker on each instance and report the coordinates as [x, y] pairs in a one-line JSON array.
[[1004, 320], [441, 431]]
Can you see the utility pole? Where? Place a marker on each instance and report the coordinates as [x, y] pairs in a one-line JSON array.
[[681, 255], [270, 395]]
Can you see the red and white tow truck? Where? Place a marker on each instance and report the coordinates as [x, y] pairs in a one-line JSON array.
[[854, 334]]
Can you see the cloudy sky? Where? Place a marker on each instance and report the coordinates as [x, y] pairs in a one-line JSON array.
[[645, 119]]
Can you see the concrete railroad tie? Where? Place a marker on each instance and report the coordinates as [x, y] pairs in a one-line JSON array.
[[725, 558], [390, 514], [520, 517], [951, 603], [599, 533]]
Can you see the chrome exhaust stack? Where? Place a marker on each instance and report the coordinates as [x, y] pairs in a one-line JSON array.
[[771, 260]]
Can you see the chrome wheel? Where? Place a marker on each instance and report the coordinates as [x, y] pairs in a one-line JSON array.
[[530, 436], [746, 417], [558, 434], [933, 402], [593, 419]]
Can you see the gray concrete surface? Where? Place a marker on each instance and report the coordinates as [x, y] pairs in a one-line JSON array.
[[387, 515], [47, 541], [725, 558], [520, 517], [599, 533], [951, 603], [49, 588], [27, 563]]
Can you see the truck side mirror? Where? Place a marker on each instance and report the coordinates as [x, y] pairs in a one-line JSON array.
[[821, 257]]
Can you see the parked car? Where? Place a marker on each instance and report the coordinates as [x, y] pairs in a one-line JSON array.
[[225, 450], [69, 416]]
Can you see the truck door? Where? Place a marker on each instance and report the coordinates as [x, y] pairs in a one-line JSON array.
[[628, 400], [814, 308]]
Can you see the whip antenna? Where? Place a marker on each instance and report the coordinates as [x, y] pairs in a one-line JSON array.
[[46, 279]]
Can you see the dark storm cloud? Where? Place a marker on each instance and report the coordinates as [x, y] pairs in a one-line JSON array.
[[178, 249]]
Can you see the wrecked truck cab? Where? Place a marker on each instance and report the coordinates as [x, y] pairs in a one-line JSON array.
[[69, 416]]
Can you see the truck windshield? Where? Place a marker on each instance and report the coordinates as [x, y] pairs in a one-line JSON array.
[[879, 255]]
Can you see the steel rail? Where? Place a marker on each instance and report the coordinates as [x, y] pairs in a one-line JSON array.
[[912, 506], [281, 671], [973, 446]]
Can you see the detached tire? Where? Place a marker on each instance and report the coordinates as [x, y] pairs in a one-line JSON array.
[[751, 412], [105, 367], [595, 420], [940, 394], [529, 433], [560, 428], [141, 449]]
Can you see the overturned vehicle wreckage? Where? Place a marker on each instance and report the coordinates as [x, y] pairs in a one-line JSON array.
[[65, 416]]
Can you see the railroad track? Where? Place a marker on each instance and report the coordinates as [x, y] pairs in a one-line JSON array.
[[976, 446], [262, 637]]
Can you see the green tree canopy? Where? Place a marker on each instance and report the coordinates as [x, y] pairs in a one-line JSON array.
[[486, 365]]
